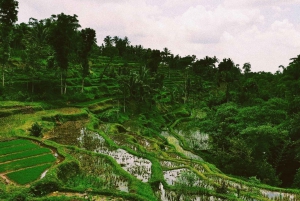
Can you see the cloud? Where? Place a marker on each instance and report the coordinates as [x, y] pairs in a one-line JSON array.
[[265, 50], [258, 3]]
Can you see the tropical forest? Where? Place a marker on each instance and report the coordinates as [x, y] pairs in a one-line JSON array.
[[119, 121]]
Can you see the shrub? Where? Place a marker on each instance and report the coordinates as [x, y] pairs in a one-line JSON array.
[[254, 180], [67, 170], [44, 187], [36, 130]]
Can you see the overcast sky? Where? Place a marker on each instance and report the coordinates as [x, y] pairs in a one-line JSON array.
[[265, 33]]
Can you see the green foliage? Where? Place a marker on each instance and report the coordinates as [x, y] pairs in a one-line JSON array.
[[44, 187], [296, 182], [8, 12], [67, 170], [223, 189], [252, 118], [36, 130], [154, 60], [186, 179], [61, 34], [254, 180], [18, 194], [87, 40], [84, 181], [1, 91]]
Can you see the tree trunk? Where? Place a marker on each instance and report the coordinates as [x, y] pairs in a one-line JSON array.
[[185, 87], [65, 90], [124, 101], [103, 72], [32, 85], [227, 93], [118, 109], [65, 80], [82, 85], [3, 75], [61, 84]]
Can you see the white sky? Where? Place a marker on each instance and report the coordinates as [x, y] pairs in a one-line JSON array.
[[265, 33]]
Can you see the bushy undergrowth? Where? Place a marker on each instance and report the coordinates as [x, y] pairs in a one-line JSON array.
[[44, 186], [36, 130], [84, 181], [67, 170]]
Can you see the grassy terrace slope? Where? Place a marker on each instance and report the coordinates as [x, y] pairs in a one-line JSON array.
[[23, 161], [119, 162], [108, 154]]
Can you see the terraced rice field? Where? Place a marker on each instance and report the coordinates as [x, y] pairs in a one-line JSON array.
[[23, 161]]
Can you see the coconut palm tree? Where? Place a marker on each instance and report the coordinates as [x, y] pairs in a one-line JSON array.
[[8, 17]]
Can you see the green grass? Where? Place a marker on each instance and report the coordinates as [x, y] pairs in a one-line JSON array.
[[27, 162], [28, 175], [12, 143], [18, 148], [18, 103], [24, 154], [85, 181]]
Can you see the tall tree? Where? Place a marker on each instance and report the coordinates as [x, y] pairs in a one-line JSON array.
[[154, 61], [62, 34], [165, 58], [36, 48], [206, 66], [108, 49], [228, 73], [108, 41], [247, 68], [19, 31], [8, 17], [122, 45], [165, 54], [88, 38]]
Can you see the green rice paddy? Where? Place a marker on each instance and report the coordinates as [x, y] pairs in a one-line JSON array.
[[27, 175], [13, 142], [24, 154], [23, 161], [17, 148], [26, 162]]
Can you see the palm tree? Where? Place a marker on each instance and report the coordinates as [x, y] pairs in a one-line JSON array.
[[165, 53], [247, 68], [108, 41], [36, 47], [126, 41], [8, 17]]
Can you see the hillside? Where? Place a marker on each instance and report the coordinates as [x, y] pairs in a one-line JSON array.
[[115, 150], [116, 121]]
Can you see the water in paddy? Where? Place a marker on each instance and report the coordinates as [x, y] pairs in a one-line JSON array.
[[67, 133], [172, 140], [137, 166], [195, 139], [72, 133]]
